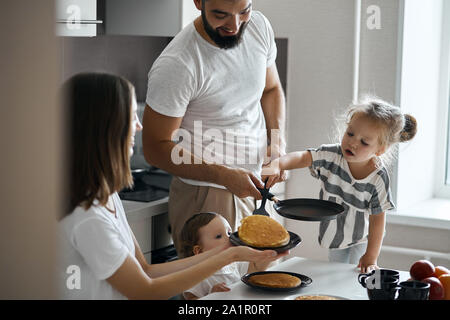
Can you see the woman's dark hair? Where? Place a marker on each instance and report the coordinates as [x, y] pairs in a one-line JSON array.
[[98, 108], [189, 233]]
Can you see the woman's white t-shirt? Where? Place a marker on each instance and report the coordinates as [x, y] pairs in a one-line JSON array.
[[94, 244]]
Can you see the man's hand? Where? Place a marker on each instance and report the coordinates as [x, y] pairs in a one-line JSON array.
[[241, 182]]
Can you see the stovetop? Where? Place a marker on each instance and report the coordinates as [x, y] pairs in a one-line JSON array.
[[149, 185]]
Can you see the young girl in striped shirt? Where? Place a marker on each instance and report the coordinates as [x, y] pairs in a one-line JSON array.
[[353, 174]]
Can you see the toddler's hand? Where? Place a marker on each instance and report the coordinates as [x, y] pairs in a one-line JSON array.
[[367, 264], [272, 173]]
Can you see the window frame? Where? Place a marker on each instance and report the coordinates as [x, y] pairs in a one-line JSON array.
[[442, 190]]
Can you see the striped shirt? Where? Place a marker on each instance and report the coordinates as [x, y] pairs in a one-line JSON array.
[[360, 198]]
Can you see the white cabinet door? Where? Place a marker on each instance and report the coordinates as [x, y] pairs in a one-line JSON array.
[[148, 17], [142, 230], [76, 18]]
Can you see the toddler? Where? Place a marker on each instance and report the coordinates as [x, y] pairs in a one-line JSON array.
[[206, 231], [353, 174]]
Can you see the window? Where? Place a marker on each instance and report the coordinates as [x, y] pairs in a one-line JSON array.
[[447, 177], [443, 161], [423, 165]]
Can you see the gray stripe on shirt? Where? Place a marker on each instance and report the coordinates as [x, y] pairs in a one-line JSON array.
[[347, 197], [385, 176], [358, 228], [333, 168], [324, 224], [364, 187], [339, 236], [334, 148]]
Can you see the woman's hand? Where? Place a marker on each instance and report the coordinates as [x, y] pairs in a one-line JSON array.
[[220, 287], [261, 266], [243, 253]]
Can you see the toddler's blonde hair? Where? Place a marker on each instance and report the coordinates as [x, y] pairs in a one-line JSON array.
[[395, 126]]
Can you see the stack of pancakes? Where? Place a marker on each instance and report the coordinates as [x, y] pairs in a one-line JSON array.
[[275, 280], [263, 232]]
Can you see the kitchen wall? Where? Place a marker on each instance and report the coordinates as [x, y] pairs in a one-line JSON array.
[[128, 56], [380, 58], [320, 73]]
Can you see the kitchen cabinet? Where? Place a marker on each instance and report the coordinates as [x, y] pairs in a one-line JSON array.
[[149, 222], [76, 18], [148, 17]]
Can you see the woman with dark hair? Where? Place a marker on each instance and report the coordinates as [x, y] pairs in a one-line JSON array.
[[100, 256]]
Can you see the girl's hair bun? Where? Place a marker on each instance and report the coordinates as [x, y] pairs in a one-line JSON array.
[[409, 129]]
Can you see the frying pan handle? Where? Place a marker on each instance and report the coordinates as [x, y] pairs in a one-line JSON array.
[[266, 194]]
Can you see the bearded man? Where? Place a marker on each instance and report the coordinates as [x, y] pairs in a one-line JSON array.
[[217, 83]]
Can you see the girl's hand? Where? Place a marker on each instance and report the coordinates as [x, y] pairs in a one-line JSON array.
[[367, 264], [272, 173], [220, 287]]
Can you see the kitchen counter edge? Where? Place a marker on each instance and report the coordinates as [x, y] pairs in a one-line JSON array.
[[140, 210]]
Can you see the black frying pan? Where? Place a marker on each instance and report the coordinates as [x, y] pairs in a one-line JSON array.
[[308, 209], [302, 208]]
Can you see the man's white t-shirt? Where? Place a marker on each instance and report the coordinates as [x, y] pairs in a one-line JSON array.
[[229, 274], [217, 92], [94, 244]]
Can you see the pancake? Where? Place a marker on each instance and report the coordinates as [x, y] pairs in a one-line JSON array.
[[315, 297], [262, 231], [275, 280]]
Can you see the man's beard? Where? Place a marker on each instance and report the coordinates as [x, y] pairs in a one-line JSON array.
[[224, 42]]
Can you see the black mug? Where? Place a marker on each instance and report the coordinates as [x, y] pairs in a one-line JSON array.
[[382, 273], [382, 289], [413, 290]]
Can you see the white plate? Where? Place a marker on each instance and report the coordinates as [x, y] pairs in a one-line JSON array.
[[315, 294]]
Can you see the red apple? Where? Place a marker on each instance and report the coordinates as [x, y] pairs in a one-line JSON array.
[[436, 288], [421, 269]]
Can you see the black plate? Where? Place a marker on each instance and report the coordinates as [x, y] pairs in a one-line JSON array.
[[308, 209], [306, 281], [293, 242]]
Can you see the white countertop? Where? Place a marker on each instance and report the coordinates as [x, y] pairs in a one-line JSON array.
[[328, 278], [140, 210]]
